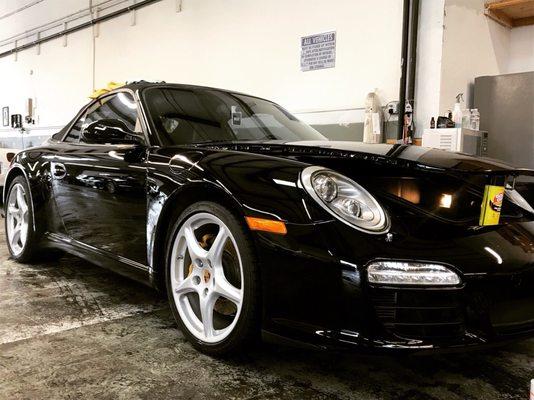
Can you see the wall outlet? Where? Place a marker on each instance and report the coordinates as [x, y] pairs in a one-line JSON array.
[[393, 108]]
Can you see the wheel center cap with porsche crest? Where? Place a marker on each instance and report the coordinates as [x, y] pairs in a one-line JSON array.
[[206, 275]]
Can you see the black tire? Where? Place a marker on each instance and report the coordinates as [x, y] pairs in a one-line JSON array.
[[31, 245], [246, 330], [110, 187]]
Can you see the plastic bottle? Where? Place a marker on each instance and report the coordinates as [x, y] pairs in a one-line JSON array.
[[457, 112], [466, 118], [372, 127], [475, 119]]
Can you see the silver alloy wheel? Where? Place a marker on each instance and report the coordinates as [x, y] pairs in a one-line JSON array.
[[17, 219], [196, 293]]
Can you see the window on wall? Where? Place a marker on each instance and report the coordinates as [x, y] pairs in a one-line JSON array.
[[119, 106]]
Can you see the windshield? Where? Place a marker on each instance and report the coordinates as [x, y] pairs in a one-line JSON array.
[[184, 116]]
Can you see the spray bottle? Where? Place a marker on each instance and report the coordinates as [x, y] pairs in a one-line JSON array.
[[457, 111]]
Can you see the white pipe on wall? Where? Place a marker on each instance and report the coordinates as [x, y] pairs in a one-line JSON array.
[[24, 7], [60, 22]]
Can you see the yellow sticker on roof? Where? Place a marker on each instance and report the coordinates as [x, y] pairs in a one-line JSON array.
[[111, 86]]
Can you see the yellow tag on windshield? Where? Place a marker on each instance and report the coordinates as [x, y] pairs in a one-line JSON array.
[[491, 205]]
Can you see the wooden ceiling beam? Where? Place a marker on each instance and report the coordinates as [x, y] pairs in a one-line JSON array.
[[500, 17]]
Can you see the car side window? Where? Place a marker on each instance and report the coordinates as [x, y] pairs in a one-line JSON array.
[[120, 106], [74, 132]]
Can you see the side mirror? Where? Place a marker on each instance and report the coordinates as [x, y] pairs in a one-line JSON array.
[[112, 131]]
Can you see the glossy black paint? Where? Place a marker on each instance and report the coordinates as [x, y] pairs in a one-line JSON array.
[[97, 186], [113, 205]]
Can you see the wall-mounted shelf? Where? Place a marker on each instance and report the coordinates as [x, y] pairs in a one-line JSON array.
[[511, 13]]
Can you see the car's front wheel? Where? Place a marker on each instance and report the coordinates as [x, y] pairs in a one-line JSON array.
[[212, 280]]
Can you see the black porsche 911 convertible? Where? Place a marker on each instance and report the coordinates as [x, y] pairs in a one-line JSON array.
[[254, 223]]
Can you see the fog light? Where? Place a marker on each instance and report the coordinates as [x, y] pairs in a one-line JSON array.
[[445, 201], [411, 273]]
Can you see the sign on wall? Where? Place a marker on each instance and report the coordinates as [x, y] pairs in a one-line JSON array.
[[5, 116], [318, 51]]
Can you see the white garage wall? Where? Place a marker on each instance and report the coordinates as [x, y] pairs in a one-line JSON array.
[[250, 46], [458, 43], [521, 49], [59, 80], [473, 45], [34, 13]]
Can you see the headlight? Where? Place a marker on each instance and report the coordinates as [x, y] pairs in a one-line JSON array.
[[345, 199], [411, 273]]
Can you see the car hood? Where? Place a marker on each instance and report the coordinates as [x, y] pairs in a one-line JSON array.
[[411, 177], [325, 152]]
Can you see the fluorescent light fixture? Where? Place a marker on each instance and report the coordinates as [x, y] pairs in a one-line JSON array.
[[411, 273], [445, 201]]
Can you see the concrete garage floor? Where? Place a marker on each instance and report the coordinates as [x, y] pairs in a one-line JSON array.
[[72, 330]]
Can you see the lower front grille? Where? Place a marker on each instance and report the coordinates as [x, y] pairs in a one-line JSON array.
[[415, 313]]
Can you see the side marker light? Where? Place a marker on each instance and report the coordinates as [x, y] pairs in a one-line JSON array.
[[266, 225]]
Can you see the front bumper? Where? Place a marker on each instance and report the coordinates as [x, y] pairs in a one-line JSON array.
[[313, 294], [483, 310]]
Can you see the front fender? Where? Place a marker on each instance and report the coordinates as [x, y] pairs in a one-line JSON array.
[[265, 186], [250, 184]]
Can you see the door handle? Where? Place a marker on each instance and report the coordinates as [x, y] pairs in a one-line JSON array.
[[58, 170]]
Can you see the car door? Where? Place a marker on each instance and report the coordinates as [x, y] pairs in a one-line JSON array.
[[100, 188]]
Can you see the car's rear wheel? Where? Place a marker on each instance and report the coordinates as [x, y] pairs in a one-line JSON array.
[[20, 234], [110, 187], [212, 280]]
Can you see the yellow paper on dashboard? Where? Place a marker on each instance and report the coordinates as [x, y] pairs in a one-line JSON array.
[[491, 205]]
